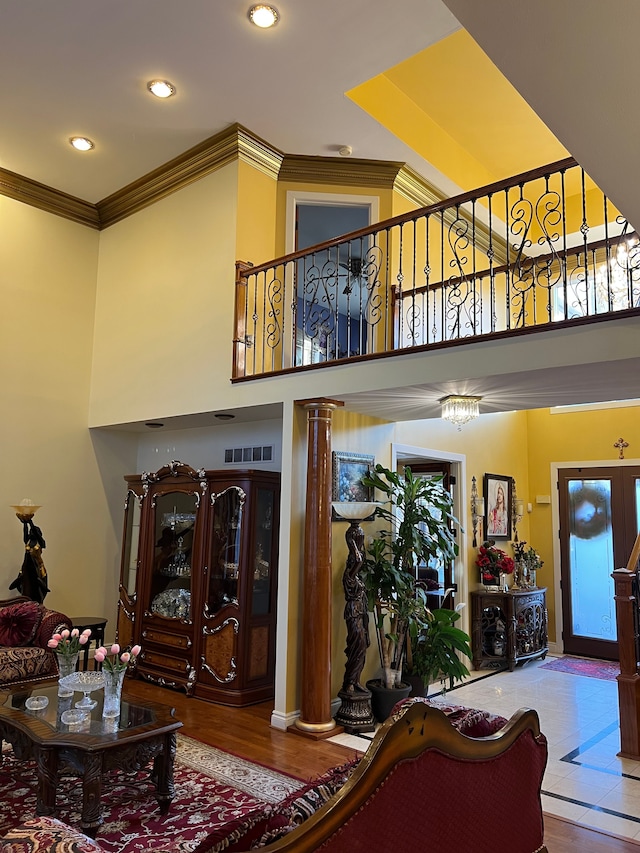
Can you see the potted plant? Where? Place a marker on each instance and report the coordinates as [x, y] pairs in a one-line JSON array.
[[418, 512], [435, 654]]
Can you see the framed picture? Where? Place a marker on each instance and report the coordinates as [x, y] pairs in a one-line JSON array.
[[497, 499], [348, 471]]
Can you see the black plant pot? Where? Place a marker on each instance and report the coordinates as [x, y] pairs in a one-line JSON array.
[[416, 683], [384, 698]]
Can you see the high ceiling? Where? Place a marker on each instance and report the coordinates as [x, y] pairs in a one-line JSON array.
[[72, 67], [396, 81]]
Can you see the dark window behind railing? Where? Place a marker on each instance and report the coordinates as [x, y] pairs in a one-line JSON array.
[[542, 249]]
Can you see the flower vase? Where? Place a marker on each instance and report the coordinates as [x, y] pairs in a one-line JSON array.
[[112, 692], [66, 665]]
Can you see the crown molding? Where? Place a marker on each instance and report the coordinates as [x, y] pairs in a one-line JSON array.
[[46, 198], [238, 143], [415, 188], [233, 143], [302, 168]]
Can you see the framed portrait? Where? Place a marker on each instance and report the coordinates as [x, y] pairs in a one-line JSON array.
[[348, 471], [497, 501]]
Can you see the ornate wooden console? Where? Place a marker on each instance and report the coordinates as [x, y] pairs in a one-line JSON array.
[[508, 627]]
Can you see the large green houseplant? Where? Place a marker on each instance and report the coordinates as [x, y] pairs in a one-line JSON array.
[[419, 516]]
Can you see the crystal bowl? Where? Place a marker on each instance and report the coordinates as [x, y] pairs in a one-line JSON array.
[[85, 682]]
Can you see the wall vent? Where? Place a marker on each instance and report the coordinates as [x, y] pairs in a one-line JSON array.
[[261, 453]]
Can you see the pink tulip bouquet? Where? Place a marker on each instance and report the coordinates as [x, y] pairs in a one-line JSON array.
[[118, 660], [67, 643]]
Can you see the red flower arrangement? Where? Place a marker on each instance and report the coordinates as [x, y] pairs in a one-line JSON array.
[[493, 562]]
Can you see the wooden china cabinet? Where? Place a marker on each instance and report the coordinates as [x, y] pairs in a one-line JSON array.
[[198, 580]]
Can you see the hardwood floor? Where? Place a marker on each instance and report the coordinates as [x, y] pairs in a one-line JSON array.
[[247, 733]]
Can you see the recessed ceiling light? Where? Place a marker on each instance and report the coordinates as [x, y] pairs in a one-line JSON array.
[[224, 416], [81, 143], [154, 424], [264, 16], [161, 88]]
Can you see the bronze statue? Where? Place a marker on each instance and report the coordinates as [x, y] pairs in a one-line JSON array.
[[32, 578], [355, 612]]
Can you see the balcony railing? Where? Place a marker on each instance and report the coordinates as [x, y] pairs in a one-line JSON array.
[[541, 250]]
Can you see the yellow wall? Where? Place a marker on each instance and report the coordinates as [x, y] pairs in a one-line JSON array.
[[48, 280], [164, 318]]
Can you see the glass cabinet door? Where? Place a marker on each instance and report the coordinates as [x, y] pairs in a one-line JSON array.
[[225, 548], [261, 592], [130, 551], [174, 521]]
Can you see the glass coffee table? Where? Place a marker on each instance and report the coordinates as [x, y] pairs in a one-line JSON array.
[[91, 747]]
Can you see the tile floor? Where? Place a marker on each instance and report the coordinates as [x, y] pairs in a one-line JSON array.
[[585, 781]]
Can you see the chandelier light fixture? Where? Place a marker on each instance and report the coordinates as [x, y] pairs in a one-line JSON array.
[[460, 409]]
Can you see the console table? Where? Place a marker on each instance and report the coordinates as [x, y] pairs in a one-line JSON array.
[[508, 627]]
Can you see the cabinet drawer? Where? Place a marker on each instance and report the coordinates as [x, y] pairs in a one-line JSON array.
[[164, 638], [161, 661]]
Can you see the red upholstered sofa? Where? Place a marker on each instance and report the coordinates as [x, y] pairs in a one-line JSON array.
[[422, 786], [25, 629]]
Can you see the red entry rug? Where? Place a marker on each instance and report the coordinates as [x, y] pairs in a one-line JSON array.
[[604, 669], [212, 788]]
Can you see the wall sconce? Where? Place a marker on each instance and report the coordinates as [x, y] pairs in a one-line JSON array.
[[517, 510], [460, 410], [477, 510]]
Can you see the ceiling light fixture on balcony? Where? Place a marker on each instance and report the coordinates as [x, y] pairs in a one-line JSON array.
[[460, 409], [161, 88], [81, 143], [264, 16]]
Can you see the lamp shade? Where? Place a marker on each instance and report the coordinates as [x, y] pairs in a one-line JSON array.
[[354, 510]]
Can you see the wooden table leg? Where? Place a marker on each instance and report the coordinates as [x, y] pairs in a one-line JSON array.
[[47, 760], [163, 772], [91, 818]]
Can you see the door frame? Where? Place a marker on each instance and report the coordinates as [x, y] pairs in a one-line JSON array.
[[556, 648], [401, 453], [296, 197]]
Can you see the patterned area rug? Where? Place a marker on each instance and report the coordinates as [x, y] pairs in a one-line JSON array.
[[212, 788], [604, 669]]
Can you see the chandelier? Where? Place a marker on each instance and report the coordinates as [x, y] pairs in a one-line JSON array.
[[459, 409]]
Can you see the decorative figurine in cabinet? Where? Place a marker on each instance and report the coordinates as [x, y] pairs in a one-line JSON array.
[[198, 580]]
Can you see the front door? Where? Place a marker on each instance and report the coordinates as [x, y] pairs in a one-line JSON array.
[[599, 522]]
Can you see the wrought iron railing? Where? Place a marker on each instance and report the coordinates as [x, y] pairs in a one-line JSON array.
[[543, 249]]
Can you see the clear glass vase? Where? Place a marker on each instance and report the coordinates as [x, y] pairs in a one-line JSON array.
[[112, 692], [66, 665]]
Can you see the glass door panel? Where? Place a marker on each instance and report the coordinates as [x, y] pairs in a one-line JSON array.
[[261, 594], [226, 540], [591, 560], [130, 551], [175, 516]]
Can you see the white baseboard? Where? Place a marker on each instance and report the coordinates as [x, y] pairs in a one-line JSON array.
[[555, 649], [283, 721]]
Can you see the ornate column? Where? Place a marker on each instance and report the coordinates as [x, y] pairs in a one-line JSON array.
[[315, 703]]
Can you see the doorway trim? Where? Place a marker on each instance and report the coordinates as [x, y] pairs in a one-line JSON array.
[[296, 197], [402, 452], [557, 647]]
